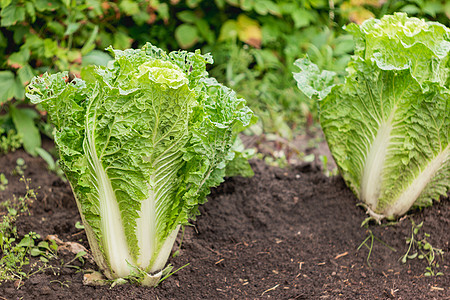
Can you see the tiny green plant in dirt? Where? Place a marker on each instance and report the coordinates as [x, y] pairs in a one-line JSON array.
[[370, 240], [3, 182], [15, 252], [10, 141], [80, 257], [20, 167], [420, 248], [325, 166]]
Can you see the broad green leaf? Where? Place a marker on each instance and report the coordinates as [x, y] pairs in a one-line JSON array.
[[26, 242], [130, 7], [247, 5], [229, 30], [163, 11], [3, 41], [186, 35], [56, 27], [19, 59], [187, 16], [10, 87], [50, 48], [29, 7], [20, 31], [233, 2], [47, 5], [12, 14], [220, 3], [96, 57], [5, 3], [193, 3], [447, 9], [272, 7], [302, 17], [47, 157], [121, 40], [249, 31], [90, 43], [25, 74], [410, 9], [37, 252], [25, 126], [205, 31], [72, 28]]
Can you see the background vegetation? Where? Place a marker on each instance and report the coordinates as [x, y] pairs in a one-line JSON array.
[[254, 44]]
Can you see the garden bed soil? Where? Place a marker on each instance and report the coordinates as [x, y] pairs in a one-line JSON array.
[[283, 234]]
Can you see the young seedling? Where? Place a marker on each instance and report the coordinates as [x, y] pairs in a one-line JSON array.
[[325, 169], [20, 167], [422, 249], [371, 237], [52, 165], [61, 283], [80, 258], [3, 182], [167, 272], [16, 254], [10, 141]]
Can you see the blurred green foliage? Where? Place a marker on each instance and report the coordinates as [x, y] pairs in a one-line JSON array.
[[254, 43]]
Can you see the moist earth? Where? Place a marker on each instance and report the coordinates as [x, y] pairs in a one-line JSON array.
[[288, 233]]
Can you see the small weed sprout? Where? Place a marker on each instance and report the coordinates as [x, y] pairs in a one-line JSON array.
[[371, 237], [15, 254], [78, 225], [422, 249], [327, 172], [10, 141], [52, 165], [3, 182], [80, 258], [62, 284], [167, 272], [20, 167]]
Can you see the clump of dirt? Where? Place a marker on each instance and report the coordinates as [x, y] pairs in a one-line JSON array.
[[283, 234]]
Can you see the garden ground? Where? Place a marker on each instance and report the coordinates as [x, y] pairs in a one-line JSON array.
[[288, 233]]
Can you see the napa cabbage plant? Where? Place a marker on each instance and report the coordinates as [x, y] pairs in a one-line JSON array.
[[388, 124], [141, 142]]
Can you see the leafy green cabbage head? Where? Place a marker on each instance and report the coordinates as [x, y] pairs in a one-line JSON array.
[[388, 124], [141, 142]]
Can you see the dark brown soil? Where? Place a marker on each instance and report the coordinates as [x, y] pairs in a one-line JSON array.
[[283, 234]]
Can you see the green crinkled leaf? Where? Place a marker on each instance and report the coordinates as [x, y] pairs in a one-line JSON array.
[[397, 42], [240, 165], [311, 81]]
